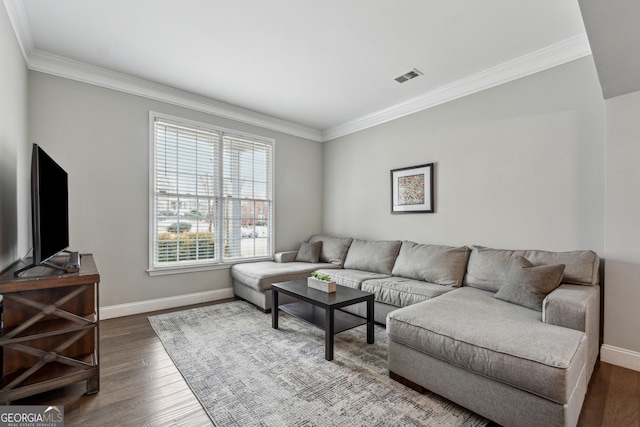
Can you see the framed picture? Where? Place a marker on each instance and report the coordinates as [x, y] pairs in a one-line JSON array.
[[412, 189]]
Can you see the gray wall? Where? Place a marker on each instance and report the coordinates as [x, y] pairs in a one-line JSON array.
[[14, 148], [517, 166], [100, 136], [622, 250]]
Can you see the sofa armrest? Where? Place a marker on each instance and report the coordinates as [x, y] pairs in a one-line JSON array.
[[573, 306], [576, 307], [288, 256]]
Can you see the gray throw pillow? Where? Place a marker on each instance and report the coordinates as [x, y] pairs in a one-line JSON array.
[[309, 252], [334, 249], [527, 285]]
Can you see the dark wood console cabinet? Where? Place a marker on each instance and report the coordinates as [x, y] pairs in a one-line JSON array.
[[50, 330]]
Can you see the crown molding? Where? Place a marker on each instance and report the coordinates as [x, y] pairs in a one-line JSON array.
[[63, 67], [551, 56], [22, 29], [74, 70], [557, 54]]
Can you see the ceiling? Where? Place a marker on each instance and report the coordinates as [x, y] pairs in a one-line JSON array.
[[319, 69]]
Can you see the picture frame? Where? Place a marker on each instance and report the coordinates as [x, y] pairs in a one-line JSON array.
[[412, 189]]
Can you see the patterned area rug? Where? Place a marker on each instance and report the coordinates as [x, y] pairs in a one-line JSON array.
[[247, 374]]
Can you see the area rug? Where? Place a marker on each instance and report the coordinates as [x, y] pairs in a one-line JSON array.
[[245, 373]]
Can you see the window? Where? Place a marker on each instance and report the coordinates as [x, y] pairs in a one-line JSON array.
[[211, 195]]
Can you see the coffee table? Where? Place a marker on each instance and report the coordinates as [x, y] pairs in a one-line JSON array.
[[321, 309]]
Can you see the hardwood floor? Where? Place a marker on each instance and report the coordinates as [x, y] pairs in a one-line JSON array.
[[613, 398], [140, 386]]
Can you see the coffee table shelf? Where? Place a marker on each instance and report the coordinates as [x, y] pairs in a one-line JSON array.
[[342, 321]]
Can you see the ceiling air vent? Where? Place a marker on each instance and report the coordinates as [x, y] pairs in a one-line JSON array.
[[408, 76]]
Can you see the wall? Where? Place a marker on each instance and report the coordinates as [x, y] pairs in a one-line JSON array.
[[100, 136], [622, 251], [14, 148], [517, 166]]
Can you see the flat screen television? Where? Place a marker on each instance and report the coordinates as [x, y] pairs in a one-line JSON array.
[[49, 209]]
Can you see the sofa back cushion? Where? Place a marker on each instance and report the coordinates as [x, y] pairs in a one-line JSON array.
[[374, 256], [444, 265], [334, 249], [487, 267]]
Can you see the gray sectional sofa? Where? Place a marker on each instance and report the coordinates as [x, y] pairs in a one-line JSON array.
[[512, 335]]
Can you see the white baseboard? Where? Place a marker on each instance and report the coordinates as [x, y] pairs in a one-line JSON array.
[[620, 357], [120, 310]]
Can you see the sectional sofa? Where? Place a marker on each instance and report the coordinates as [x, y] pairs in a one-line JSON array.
[[512, 335]]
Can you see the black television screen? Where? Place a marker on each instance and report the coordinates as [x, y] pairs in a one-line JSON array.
[[49, 206]]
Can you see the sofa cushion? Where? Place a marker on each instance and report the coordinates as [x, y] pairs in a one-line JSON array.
[[401, 292], [471, 329], [486, 267], [351, 278], [376, 256], [309, 252], [527, 285], [261, 275], [444, 265], [334, 249]]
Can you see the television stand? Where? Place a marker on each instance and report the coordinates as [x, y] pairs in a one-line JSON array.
[[50, 330], [71, 264]]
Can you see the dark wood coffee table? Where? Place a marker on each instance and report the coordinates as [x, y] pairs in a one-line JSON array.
[[321, 309]]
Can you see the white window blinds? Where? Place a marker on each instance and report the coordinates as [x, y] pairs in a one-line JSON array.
[[211, 197], [247, 183]]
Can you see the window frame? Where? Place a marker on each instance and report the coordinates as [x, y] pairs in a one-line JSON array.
[[219, 262]]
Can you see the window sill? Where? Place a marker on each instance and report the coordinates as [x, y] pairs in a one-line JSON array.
[[198, 268]]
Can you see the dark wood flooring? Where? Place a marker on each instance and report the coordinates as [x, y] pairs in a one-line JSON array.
[[140, 386]]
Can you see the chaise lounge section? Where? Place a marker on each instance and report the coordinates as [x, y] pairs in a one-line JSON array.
[[252, 281], [516, 361]]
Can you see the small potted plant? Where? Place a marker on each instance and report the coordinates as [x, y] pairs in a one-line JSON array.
[[322, 282]]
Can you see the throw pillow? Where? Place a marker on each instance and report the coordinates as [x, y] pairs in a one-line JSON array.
[[527, 285], [334, 249], [309, 252]]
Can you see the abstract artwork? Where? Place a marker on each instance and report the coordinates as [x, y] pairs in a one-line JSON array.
[[412, 189]]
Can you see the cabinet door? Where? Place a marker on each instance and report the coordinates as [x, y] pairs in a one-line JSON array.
[[43, 327]]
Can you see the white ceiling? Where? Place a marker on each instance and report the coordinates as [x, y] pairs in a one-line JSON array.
[[323, 67]]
